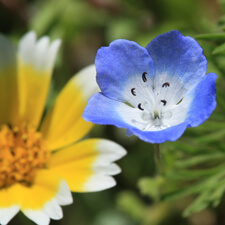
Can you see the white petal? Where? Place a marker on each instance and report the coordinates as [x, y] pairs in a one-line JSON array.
[[86, 79], [39, 53], [99, 182], [38, 216], [53, 210], [6, 214], [179, 111], [141, 90], [111, 169], [109, 151], [131, 116], [64, 196], [26, 47], [52, 52]]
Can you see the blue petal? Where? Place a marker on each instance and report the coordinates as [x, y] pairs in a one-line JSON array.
[[177, 55], [169, 134], [102, 110], [129, 133], [204, 100], [118, 63]]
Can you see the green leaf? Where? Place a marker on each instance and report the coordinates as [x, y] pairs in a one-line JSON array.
[[217, 193], [211, 37], [194, 160], [211, 196], [129, 202], [215, 136], [193, 174], [219, 49], [220, 99], [195, 188], [199, 204], [151, 186]]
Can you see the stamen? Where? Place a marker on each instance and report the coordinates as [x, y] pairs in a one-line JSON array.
[[15, 130], [164, 102], [139, 106], [133, 91], [167, 84], [144, 76], [22, 154]]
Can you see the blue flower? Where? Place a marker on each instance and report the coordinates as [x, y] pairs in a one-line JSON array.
[[155, 92]]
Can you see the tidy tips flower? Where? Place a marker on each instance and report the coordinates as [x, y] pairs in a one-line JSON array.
[[40, 163], [155, 92]]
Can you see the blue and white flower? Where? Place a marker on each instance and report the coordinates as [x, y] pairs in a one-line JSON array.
[[155, 92]]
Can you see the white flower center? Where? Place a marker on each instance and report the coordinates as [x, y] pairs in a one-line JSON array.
[[158, 103]]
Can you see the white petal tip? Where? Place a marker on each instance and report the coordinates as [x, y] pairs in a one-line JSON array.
[[64, 196], [111, 150], [29, 36], [101, 168], [56, 43], [38, 216], [39, 53], [99, 183], [86, 81], [6, 214], [53, 210]]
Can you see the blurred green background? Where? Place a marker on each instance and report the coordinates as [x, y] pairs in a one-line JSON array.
[[190, 189]]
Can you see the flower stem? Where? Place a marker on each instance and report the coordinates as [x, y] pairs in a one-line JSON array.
[[158, 158]]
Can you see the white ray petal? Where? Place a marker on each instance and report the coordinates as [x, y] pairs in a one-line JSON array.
[[86, 79], [64, 196], [6, 214], [41, 54], [26, 47], [52, 52], [109, 151], [102, 168], [40, 217], [99, 182], [53, 210], [40, 51]]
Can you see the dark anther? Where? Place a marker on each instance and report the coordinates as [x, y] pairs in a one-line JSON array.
[[166, 84], [164, 102], [133, 91], [139, 106], [144, 76], [12, 151]]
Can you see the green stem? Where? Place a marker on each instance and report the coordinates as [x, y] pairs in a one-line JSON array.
[[158, 158]]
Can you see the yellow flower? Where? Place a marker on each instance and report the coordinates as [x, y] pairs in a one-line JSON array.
[[39, 163]]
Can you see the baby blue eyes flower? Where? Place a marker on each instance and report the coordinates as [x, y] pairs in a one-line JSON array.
[[155, 92]]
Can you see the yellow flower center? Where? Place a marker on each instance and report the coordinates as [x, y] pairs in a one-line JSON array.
[[22, 154]]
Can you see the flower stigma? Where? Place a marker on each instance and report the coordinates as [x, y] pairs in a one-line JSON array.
[[22, 154]]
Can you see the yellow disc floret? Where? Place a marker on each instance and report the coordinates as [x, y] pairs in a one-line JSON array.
[[22, 154]]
